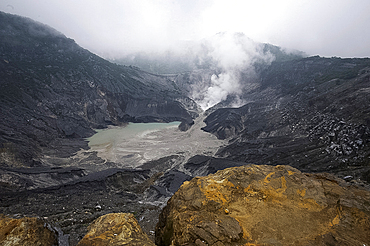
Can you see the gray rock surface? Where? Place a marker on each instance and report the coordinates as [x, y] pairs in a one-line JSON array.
[[310, 113]]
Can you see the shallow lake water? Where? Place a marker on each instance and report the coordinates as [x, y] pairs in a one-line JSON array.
[[137, 143], [109, 137]]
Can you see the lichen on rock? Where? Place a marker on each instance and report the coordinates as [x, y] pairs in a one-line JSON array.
[[25, 231], [267, 205], [115, 229]]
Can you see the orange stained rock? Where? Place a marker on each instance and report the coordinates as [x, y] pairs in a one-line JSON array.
[[309, 204], [267, 178], [250, 190], [214, 190], [301, 192], [335, 221], [25, 231], [115, 229], [276, 205], [291, 172]]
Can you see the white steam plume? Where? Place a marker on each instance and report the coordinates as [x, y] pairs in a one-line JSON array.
[[232, 54]]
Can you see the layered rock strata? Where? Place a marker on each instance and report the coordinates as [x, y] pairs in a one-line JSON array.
[[266, 205]]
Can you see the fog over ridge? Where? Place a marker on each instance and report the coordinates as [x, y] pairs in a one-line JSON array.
[[115, 28], [173, 29]]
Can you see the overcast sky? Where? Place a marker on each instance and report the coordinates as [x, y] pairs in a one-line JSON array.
[[109, 27]]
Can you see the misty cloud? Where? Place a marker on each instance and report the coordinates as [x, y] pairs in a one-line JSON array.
[[114, 28]]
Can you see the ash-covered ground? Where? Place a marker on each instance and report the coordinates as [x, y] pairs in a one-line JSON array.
[[134, 173]]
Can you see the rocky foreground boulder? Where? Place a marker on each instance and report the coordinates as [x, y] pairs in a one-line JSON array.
[[245, 205], [266, 205], [115, 229], [25, 231]]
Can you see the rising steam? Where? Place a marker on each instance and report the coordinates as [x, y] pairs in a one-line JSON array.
[[232, 54], [220, 67]]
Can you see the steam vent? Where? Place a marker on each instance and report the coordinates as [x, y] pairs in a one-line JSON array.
[[266, 205]]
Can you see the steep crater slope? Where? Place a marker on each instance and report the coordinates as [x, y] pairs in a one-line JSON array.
[[311, 113], [54, 92]]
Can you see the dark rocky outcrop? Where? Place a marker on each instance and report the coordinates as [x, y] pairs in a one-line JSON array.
[[266, 205], [311, 113], [25, 231], [73, 206], [184, 126], [201, 165]]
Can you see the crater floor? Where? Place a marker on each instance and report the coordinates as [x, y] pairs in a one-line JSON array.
[[137, 143]]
